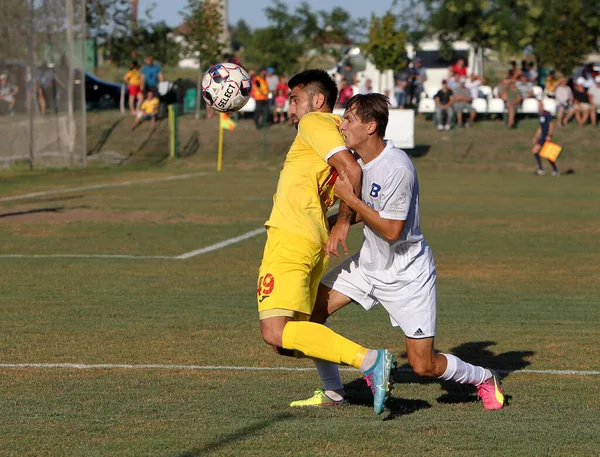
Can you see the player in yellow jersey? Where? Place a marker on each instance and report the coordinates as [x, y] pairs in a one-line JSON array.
[[298, 239]]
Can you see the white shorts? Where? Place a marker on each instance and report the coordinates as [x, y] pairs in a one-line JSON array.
[[410, 302]]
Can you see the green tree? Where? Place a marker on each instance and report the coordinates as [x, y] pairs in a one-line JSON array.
[[387, 45], [241, 34], [204, 34]]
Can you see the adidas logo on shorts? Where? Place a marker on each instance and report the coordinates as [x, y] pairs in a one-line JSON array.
[[419, 332]]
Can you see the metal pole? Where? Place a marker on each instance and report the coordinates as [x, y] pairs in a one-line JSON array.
[[32, 100], [82, 88]]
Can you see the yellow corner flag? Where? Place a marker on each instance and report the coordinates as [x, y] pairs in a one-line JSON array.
[[225, 122]]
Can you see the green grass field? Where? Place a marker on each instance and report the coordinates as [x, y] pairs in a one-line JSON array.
[[518, 265]]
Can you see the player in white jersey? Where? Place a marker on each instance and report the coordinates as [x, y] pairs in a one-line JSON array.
[[395, 266]]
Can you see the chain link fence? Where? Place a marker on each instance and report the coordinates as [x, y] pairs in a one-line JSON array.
[[42, 82]]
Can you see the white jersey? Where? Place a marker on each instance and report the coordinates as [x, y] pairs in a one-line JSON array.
[[390, 187]]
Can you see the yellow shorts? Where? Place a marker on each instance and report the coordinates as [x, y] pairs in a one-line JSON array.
[[289, 275]]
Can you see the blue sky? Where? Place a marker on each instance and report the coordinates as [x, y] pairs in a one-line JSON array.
[[252, 11]]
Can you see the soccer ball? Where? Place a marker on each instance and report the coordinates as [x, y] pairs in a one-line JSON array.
[[226, 87]]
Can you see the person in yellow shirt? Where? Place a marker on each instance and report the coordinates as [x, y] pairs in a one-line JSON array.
[[147, 110], [260, 93], [299, 240], [133, 79]]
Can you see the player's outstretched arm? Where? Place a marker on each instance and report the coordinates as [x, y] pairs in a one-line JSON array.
[[343, 162]]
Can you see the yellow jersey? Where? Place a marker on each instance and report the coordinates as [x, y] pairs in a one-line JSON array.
[[133, 77], [305, 187], [150, 106]]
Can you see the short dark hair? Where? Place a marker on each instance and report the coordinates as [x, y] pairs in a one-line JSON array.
[[320, 81], [371, 107]]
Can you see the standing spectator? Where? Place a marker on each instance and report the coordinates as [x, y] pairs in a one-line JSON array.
[[46, 86], [366, 88], [151, 75], [7, 95], [512, 98], [473, 84], [462, 103], [260, 93], [345, 94], [391, 99], [594, 93], [279, 110], [417, 77], [283, 85], [551, 84], [532, 74], [348, 74], [543, 134], [400, 85], [148, 110], [581, 106], [459, 68], [564, 100], [133, 79], [272, 82], [524, 87], [444, 100]]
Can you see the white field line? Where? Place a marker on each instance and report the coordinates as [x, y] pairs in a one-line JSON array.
[[100, 186], [110, 366], [184, 256]]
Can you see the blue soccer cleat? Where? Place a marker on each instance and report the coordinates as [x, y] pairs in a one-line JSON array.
[[379, 378]]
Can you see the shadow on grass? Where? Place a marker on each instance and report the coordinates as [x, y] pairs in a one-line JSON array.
[[33, 211], [234, 437], [420, 150], [476, 353]]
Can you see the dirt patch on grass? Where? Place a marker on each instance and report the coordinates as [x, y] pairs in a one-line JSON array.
[[64, 216]]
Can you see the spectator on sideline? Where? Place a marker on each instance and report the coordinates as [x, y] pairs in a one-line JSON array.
[[345, 94], [46, 86], [462, 103], [594, 93], [459, 68], [272, 82], [400, 85], [417, 77], [512, 98], [7, 95], [391, 99], [366, 88], [260, 93], [133, 79], [454, 82], [551, 84], [532, 74], [283, 85], [147, 111], [348, 74], [588, 76], [543, 134], [581, 103], [151, 75], [473, 84], [279, 109], [564, 100], [524, 87], [444, 100]]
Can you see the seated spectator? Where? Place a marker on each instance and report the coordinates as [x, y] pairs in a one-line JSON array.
[[462, 103], [7, 95], [514, 71], [588, 76], [532, 74], [564, 100], [345, 94], [524, 69], [473, 84], [524, 87], [454, 82], [444, 100], [581, 103], [594, 93], [512, 98], [147, 110], [400, 85], [459, 68], [392, 99], [551, 84], [366, 88]]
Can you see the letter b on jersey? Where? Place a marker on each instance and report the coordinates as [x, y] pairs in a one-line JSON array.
[[375, 188]]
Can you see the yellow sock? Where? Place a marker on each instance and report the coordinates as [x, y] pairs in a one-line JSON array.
[[320, 342]]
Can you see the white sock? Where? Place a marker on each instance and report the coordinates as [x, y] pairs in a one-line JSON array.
[[463, 372]]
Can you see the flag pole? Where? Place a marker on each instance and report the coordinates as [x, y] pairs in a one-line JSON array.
[[220, 153]]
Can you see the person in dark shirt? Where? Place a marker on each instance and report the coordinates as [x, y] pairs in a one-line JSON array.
[[543, 134], [444, 100]]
